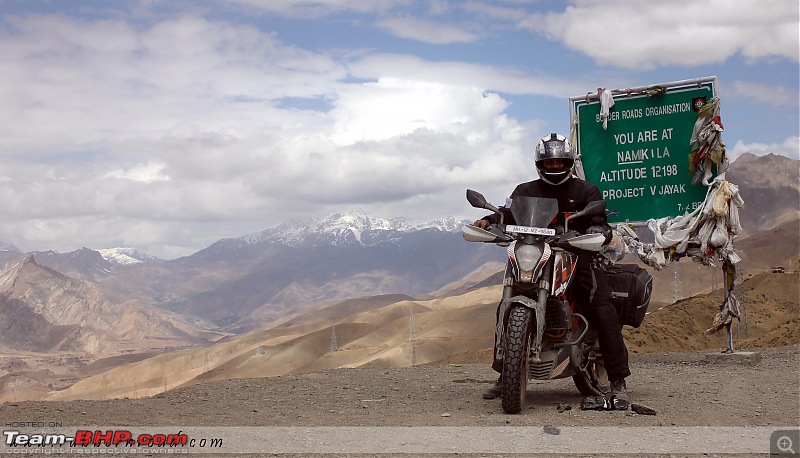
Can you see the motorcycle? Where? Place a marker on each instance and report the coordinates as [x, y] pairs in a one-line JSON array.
[[543, 333]]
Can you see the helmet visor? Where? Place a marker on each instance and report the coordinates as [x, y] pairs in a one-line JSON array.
[[554, 149], [555, 165]]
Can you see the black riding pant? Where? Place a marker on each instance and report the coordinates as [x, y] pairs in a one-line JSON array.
[[590, 288]]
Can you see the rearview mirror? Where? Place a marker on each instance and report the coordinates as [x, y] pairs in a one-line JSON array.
[[597, 207], [476, 199]]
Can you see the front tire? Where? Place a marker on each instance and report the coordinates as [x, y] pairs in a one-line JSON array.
[[515, 360]]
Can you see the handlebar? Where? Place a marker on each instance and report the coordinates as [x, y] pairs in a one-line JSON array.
[[561, 240], [558, 240], [570, 241]]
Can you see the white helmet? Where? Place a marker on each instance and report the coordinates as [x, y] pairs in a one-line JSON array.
[[554, 146]]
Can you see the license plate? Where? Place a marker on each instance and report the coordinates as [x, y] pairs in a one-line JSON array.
[[530, 230]]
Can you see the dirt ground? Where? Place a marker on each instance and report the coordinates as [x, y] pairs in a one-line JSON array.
[[684, 389]]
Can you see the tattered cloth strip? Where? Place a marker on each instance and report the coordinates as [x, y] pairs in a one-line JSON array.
[[703, 234], [653, 91], [709, 230], [706, 143], [606, 102], [728, 311], [573, 140]]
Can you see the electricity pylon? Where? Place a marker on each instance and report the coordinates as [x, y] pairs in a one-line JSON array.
[[412, 337]]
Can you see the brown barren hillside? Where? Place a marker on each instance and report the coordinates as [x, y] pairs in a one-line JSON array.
[[770, 317], [779, 246], [456, 329], [770, 187]]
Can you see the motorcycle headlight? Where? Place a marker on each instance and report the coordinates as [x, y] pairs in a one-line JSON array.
[[528, 257]]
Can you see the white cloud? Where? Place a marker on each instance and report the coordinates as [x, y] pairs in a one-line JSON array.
[[118, 135], [771, 94], [508, 80], [147, 173], [641, 35], [318, 8], [64, 76], [790, 148], [426, 31], [171, 134], [394, 107]]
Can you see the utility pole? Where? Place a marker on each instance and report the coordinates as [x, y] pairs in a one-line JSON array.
[[412, 337], [741, 294], [677, 287], [713, 278]]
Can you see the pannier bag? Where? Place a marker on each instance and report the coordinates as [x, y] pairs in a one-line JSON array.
[[631, 287]]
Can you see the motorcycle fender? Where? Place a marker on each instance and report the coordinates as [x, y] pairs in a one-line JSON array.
[[538, 313]]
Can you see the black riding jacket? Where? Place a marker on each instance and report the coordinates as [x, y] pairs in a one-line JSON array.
[[572, 196]]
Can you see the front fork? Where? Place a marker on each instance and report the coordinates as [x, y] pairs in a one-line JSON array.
[[537, 307]]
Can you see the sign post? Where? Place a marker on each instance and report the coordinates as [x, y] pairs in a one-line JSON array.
[[640, 161]]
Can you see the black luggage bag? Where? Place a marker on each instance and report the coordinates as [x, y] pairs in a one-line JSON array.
[[631, 287]]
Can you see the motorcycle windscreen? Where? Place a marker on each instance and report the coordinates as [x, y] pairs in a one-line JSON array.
[[533, 211]]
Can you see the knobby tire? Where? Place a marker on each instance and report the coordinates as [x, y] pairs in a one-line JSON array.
[[515, 360]]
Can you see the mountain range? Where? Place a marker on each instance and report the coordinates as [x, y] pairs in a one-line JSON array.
[[241, 283], [87, 304], [399, 332]]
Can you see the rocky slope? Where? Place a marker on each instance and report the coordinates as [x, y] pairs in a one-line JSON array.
[[46, 311]]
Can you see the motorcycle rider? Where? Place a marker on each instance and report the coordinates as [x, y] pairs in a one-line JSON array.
[[555, 160]]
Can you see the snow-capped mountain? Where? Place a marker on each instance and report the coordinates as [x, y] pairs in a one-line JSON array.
[[260, 277], [302, 262], [126, 256], [92, 265], [354, 227], [7, 246]]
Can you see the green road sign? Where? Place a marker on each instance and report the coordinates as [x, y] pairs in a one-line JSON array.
[[641, 161]]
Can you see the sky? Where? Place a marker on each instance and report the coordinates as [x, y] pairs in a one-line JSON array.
[[166, 125]]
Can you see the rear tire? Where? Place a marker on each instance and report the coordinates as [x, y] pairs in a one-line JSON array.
[[591, 378], [515, 360]]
